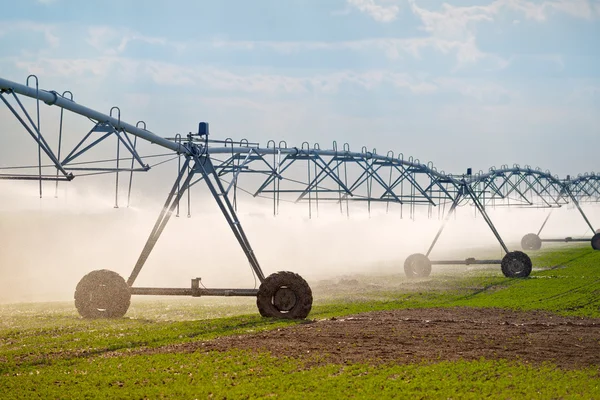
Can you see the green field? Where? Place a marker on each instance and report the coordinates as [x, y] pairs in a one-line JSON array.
[[48, 351]]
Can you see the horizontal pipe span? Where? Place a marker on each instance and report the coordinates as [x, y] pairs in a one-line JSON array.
[[567, 239], [192, 292], [330, 153], [469, 261], [500, 172], [53, 98], [36, 177]]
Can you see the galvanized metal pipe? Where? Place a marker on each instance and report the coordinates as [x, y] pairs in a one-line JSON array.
[[53, 98]]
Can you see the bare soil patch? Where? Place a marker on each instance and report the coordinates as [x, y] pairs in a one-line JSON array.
[[414, 335]]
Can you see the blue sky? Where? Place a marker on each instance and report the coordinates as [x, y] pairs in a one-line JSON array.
[[461, 83]]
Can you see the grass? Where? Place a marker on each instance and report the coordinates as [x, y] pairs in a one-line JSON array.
[[47, 351], [239, 374]]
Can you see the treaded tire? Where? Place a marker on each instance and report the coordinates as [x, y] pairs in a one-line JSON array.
[[417, 266], [531, 241], [516, 264], [596, 241], [102, 294], [284, 295]]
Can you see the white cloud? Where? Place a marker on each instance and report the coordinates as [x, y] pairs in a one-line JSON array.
[[379, 12], [163, 73], [209, 78], [541, 10], [452, 22], [585, 92], [458, 24], [111, 41], [466, 51], [483, 91], [48, 31], [457, 21]]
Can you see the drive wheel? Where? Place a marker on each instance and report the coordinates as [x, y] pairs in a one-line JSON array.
[[531, 241], [284, 295], [596, 241], [417, 266], [516, 264], [102, 294]]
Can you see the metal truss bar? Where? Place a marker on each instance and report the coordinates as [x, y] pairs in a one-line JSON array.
[[450, 212], [504, 183], [162, 220], [324, 173], [237, 172], [435, 181], [359, 181], [566, 240], [468, 261], [38, 138], [332, 172], [109, 169], [515, 188], [531, 188], [53, 98], [272, 176], [72, 156], [415, 185], [194, 292], [491, 183], [380, 180], [545, 220], [131, 173], [545, 189], [574, 200], [35, 177], [205, 166], [131, 148], [485, 216]]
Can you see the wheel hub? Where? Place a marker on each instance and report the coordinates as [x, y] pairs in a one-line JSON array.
[[100, 298], [516, 266], [284, 299]]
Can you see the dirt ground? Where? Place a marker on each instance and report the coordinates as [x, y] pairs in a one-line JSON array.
[[407, 336]]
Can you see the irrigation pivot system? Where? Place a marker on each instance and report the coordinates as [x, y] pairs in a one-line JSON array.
[[281, 173], [583, 189], [515, 186]]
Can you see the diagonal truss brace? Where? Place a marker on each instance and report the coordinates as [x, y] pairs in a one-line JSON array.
[[466, 190], [200, 164], [36, 134]]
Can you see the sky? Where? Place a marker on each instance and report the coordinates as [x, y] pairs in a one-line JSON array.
[[463, 83]]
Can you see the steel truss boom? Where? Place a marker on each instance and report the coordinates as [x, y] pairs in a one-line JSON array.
[[52, 98], [585, 188], [303, 174], [104, 293]]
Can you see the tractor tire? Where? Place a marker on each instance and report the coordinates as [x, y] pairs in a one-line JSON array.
[[417, 266], [596, 241], [516, 264], [531, 241], [284, 295], [102, 294]]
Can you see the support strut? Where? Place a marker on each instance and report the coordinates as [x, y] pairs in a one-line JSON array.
[[162, 220], [574, 199], [203, 165], [485, 216], [450, 212]]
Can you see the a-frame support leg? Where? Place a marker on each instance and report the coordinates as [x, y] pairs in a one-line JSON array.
[[450, 212], [485, 216], [204, 166]]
